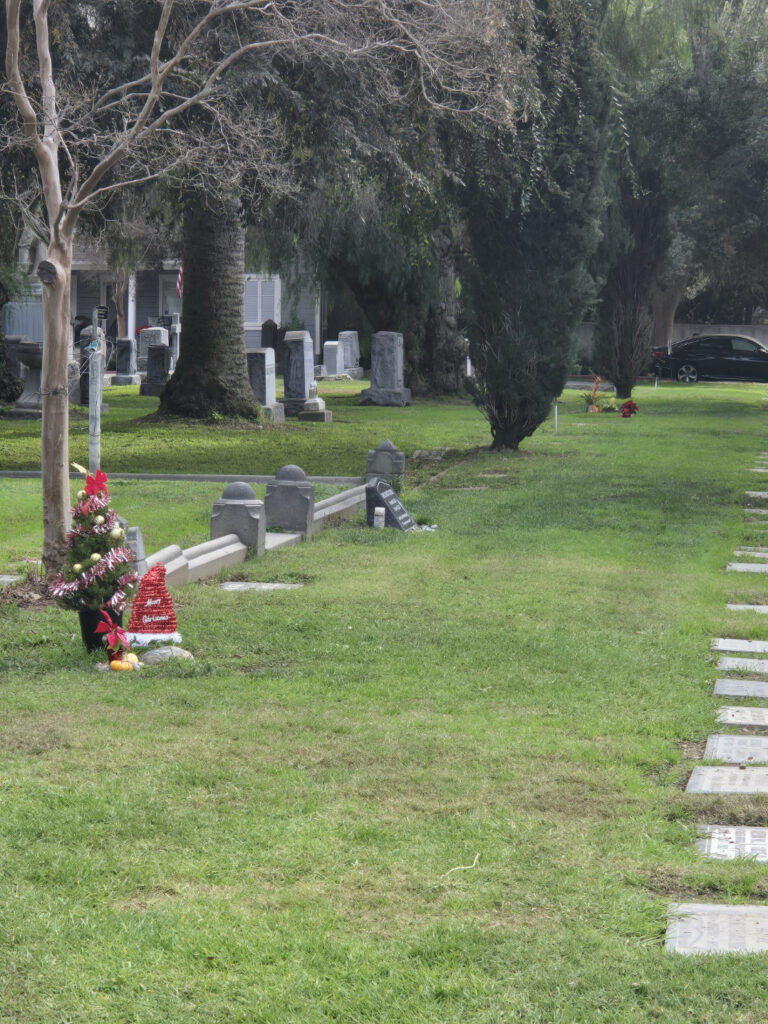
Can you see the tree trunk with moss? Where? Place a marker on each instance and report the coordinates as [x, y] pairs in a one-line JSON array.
[[211, 375]]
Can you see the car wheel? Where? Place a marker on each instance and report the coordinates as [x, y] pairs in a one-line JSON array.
[[688, 374]]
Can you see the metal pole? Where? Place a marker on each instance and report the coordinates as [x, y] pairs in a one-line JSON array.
[[95, 388], [555, 415]]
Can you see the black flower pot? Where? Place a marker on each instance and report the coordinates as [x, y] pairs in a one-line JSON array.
[[89, 620]]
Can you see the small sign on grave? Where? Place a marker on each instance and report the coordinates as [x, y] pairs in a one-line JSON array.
[[101, 312], [379, 494]]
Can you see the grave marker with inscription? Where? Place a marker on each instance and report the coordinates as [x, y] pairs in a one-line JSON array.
[[729, 842], [379, 494], [714, 928]]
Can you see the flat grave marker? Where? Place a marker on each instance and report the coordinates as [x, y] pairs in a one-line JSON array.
[[759, 665], [753, 717], [728, 779], [761, 609], [736, 749], [746, 567], [696, 928], [261, 587], [731, 842], [741, 688], [732, 645]]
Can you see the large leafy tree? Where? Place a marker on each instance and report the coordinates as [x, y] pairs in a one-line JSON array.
[[90, 135], [533, 231]]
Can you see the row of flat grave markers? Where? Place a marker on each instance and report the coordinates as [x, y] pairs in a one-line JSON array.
[[711, 928]]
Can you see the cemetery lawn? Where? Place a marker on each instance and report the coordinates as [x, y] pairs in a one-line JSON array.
[[442, 782]]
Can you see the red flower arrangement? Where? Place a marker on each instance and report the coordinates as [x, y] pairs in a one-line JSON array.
[[629, 408], [115, 638]]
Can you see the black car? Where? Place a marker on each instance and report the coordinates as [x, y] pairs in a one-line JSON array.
[[713, 357]]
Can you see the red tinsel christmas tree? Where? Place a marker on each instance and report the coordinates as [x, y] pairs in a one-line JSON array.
[[97, 571]]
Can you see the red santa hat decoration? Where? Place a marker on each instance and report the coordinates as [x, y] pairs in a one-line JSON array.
[[152, 615]]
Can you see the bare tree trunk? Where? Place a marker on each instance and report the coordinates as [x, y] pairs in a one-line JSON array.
[[665, 303], [55, 272]]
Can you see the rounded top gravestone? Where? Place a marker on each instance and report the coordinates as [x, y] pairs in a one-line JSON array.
[[291, 473], [238, 491]]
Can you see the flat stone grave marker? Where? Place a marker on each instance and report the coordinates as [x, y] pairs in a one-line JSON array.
[[729, 842], [754, 717], [728, 779], [756, 511], [5, 579], [735, 646], [746, 567], [741, 688], [735, 749], [379, 494], [711, 928], [761, 609], [238, 587], [757, 494], [759, 665], [751, 553]]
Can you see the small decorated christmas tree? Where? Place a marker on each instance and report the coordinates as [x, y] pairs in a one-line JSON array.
[[97, 571]]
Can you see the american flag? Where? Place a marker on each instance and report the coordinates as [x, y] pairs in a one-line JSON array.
[[180, 282]]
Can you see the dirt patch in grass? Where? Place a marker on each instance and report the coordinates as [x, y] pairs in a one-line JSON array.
[[30, 592], [692, 750], [33, 734], [721, 810], [676, 883]]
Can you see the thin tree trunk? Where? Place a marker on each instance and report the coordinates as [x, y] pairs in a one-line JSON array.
[[212, 371], [55, 272]]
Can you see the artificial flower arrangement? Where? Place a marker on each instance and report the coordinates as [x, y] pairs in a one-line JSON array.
[[628, 408], [97, 571], [592, 398]]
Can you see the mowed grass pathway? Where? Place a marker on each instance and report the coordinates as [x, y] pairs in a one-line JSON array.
[[440, 783]]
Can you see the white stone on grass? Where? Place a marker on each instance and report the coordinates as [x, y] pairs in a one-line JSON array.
[[736, 749], [741, 688], [734, 646], [757, 494], [755, 717], [759, 665], [751, 553], [5, 579], [280, 540], [729, 779], [761, 609], [716, 928], [746, 567], [237, 587], [730, 842]]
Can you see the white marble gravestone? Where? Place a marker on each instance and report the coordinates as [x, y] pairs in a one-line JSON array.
[[736, 749], [712, 928], [728, 779], [729, 842], [746, 567]]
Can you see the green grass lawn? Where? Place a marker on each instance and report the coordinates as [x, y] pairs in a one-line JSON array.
[[271, 833]]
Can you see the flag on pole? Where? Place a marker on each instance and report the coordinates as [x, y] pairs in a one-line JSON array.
[[180, 282]]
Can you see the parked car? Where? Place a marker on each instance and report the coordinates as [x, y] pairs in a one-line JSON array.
[[713, 357]]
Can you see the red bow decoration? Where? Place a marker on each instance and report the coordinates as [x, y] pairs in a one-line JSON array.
[[115, 639], [93, 485]]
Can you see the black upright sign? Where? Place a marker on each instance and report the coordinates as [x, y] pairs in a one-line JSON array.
[[379, 494]]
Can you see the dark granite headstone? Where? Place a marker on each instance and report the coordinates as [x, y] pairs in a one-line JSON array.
[[158, 367], [379, 494], [125, 363]]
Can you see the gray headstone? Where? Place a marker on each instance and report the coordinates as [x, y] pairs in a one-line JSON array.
[[349, 343], [759, 665], [239, 511], [709, 779], [747, 567], [151, 336], [729, 842], [125, 363], [158, 370], [385, 462], [714, 928], [290, 501], [29, 404], [298, 370], [269, 334], [379, 494], [755, 717], [736, 749], [261, 373], [135, 542], [741, 688], [333, 358], [387, 375]]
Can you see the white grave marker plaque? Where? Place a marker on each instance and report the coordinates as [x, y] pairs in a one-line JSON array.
[[748, 781], [741, 688], [729, 842], [744, 664], [733, 646], [754, 717], [737, 749], [708, 928]]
